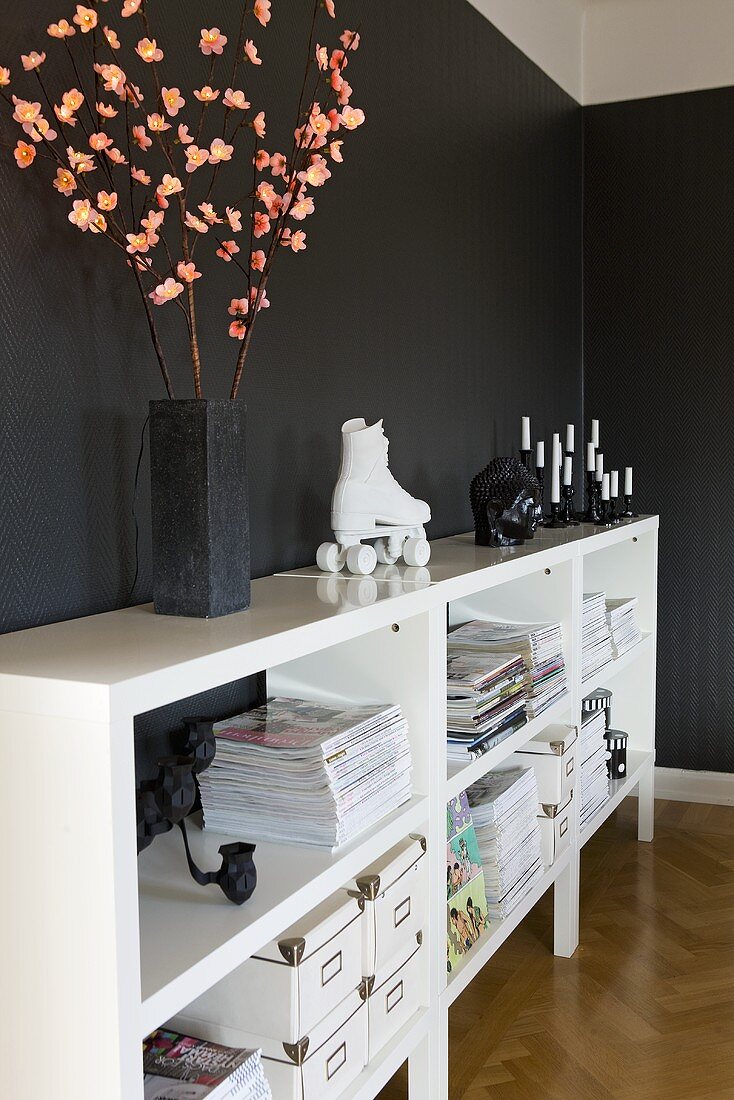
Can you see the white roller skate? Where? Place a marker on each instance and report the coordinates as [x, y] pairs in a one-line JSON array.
[[369, 506]]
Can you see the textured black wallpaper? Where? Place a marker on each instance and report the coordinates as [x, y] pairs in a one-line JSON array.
[[441, 289], [659, 348]]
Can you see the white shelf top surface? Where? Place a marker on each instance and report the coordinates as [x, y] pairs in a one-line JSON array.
[[115, 661]]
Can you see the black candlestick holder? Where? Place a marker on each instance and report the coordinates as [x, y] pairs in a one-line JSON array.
[[592, 509], [540, 475], [567, 513], [603, 520], [554, 519], [525, 458], [237, 876], [628, 513], [613, 517]]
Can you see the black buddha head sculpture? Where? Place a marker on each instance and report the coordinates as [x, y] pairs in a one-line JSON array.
[[503, 499]]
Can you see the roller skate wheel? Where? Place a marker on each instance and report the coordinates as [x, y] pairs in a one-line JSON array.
[[361, 591], [384, 554], [417, 552], [361, 560], [329, 557]]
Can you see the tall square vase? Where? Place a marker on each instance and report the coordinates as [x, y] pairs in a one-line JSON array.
[[199, 506]]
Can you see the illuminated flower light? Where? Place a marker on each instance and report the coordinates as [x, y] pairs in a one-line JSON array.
[[207, 94], [25, 111], [148, 50], [210, 215], [4, 76], [195, 157], [140, 137], [298, 241], [173, 101], [345, 94], [258, 124], [81, 214], [322, 57], [317, 172], [264, 303], [130, 7], [80, 161], [257, 260], [196, 223], [235, 99], [251, 52], [335, 151], [278, 164], [138, 242], [99, 141], [261, 11], [187, 272], [234, 218], [219, 151], [106, 111], [262, 160], [107, 200], [140, 176], [39, 130], [64, 182], [116, 155], [113, 77], [349, 40], [228, 250], [320, 124], [302, 208], [24, 154], [73, 99], [352, 117], [166, 291], [133, 94], [169, 185], [97, 223], [111, 36], [62, 29], [237, 330], [212, 41], [183, 134], [261, 224], [32, 60], [85, 18], [65, 114], [158, 124]]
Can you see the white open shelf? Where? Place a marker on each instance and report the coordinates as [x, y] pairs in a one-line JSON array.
[[132, 941], [606, 674]]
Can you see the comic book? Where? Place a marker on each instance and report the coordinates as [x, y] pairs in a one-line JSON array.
[[466, 906]]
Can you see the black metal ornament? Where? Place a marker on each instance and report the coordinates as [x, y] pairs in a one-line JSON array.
[[504, 498], [567, 512], [237, 876], [592, 509], [628, 513]]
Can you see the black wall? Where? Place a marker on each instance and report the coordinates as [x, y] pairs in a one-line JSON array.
[[659, 348], [441, 289]]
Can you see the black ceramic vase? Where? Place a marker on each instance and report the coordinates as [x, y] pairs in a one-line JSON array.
[[199, 508]]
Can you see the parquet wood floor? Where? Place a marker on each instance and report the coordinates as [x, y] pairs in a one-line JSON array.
[[645, 1009]]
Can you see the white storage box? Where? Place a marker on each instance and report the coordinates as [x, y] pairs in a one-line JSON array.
[[293, 982], [555, 830], [394, 890], [552, 754], [395, 995]]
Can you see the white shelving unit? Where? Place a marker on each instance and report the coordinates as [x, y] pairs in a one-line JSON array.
[[102, 947]]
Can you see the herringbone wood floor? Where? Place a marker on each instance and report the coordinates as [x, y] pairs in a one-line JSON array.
[[645, 1009]]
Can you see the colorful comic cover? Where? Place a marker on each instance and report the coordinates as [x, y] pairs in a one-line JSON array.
[[466, 906]]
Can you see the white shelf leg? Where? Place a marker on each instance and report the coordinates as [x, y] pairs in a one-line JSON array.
[[646, 804], [566, 908], [428, 1065]]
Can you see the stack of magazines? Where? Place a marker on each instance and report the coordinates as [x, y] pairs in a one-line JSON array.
[[596, 639], [539, 644], [593, 753], [485, 701], [177, 1067], [306, 773], [623, 624], [504, 806]]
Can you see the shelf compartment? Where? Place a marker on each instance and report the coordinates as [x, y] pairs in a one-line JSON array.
[[600, 678], [461, 776], [637, 762], [483, 951], [191, 938], [376, 1075]]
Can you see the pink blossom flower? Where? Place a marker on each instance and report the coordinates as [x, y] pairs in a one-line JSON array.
[[261, 11], [237, 306], [258, 124], [148, 50], [129, 8], [166, 291], [266, 193], [98, 223], [234, 219], [329, 5], [195, 157], [85, 18], [219, 151], [335, 151], [262, 160], [261, 224], [158, 124], [81, 162], [317, 172], [106, 111], [170, 185], [302, 208], [173, 101], [24, 154], [141, 138], [64, 182], [344, 94], [336, 80], [235, 99], [335, 119], [107, 200], [320, 124], [278, 164], [138, 242], [40, 129], [4, 76], [153, 221], [73, 99], [298, 241], [32, 60], [212, 41], [207, 94], [65, 114], [352, 117], [264, 303], [162, 201], [116, 155], [228, 250], [322, 57], [257, 260], [25, 111], [113, 77], [350, 40], [251, 52], [338, 60], [140, 176], [111, 37], [237, 330], [187, 272], [196, 223], [99, 141], [183, 134], [62, 29], [210, 215], [81, 214]]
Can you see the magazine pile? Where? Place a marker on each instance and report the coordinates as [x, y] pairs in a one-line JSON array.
[[306, 773], [593, 753], [596, 639], [504, 806], [540, 645], [485, 701], [178, 1067], [466, 911], [623, 624]]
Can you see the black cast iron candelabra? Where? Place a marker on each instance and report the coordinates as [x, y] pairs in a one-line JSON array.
[[593, 495]]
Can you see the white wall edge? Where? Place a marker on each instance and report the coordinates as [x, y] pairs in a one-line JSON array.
[[680, 785]]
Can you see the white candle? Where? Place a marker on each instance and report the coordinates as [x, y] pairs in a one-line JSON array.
[[599, 466], [540, 457], [605, 487], [614, 484], [628, 481], [525, 445], [569, 438], [590, 458], [555, 481], [595, 432], [567, 470]]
